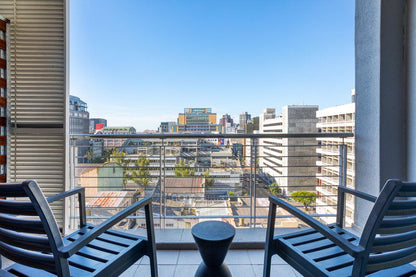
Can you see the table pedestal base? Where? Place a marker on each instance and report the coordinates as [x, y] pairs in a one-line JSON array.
[[218, 271]]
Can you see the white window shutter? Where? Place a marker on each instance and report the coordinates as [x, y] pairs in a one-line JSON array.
[[37, 94]]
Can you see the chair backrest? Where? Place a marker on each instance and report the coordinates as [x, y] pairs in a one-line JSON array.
[[29, 233], [389, 235]]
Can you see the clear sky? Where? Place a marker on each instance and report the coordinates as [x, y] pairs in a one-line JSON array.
[[142, 62]]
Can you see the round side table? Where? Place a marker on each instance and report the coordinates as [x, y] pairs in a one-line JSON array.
[[213, 239]]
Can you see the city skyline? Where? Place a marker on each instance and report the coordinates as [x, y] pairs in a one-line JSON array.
[[232, 56]]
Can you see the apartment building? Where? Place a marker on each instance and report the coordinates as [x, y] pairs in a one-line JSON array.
[[337, 119], [290, 161]]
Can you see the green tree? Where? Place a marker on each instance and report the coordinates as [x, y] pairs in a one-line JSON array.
[[275, 189], [307, 198], [105, 156], [90, 155], [182, 169], [140, 172], [209, 182], [119, 158]]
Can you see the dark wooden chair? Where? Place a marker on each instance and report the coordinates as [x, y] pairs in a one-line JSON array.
[[29, 236], [386, 247]]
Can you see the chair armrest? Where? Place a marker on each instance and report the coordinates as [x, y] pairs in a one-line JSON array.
[[353, 250], [72, 248], [81, 202], [62, 195], [357, 193]]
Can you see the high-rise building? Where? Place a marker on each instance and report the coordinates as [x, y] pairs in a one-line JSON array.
[[79, 123], [253, 125], [337, 119], [226, 118], [97, 124], [166, 127], [195, 120], [268, 113], [227, 124], [244, 118], [287, 160]]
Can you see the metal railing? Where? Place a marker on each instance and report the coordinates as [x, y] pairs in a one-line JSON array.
[[195, 177]]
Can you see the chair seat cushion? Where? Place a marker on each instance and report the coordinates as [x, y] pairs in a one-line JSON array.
[[109, 254], [312, 254]]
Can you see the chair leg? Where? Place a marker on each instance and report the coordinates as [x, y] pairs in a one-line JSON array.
[[153, 265], [267, 264], [151, 240], [269, 240]]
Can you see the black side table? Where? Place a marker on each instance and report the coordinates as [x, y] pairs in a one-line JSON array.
[[213, 239]]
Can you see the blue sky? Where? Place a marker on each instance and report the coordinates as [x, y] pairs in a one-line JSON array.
[[141, 62]]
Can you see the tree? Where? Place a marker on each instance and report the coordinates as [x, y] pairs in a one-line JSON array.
[[275, 189], [90, 155], [307, 198], [119, 158], [209, 182], [140, 172], [182, 169]]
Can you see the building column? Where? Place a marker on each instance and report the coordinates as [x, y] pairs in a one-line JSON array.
[[381, 94], [411, 89]]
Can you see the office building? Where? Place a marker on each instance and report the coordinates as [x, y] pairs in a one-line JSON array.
[[79, 123], [166, 127], [97, 124], [337, 119], [196, 120], [244, 119], [227, 123], [290, 161], [253, 125]]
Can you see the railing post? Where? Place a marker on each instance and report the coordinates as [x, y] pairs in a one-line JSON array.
[[160, 185], [342, 183], [250, 180], [164, 185], [254, 147], [72, 180]]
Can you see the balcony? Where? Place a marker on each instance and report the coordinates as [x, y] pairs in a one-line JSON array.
[[34, 96], [193, 177]]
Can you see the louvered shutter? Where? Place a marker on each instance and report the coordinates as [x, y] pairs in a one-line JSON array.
[[37, 94]]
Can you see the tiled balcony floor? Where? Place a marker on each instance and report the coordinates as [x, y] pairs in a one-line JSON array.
[[183, 263]]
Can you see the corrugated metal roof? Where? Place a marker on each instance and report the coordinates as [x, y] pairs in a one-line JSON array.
[[108, 199]]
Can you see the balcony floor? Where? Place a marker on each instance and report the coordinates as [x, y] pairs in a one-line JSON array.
[[180, 263], [173, 263]]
